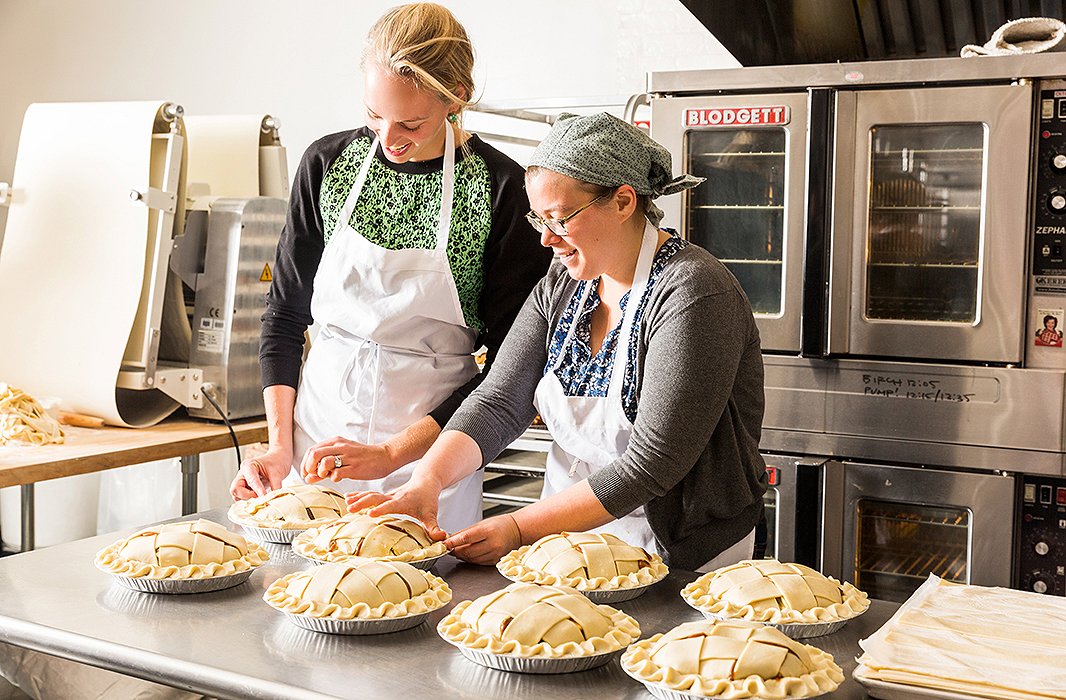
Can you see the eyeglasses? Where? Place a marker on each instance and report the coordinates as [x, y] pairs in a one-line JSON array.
[[558, 226]]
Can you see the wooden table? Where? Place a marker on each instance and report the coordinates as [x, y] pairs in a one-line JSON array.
[[89, 450]]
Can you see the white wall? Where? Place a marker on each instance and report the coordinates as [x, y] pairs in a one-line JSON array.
[[298, 60]]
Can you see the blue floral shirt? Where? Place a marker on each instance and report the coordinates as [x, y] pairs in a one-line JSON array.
[[579, 372]]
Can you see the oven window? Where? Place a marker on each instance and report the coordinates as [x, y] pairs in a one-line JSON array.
[[738, 213], [926, 189], [899, 544]]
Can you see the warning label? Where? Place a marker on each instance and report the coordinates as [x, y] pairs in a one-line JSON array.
[[265, 275]]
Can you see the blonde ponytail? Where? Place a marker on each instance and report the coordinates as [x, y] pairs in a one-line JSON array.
[[425, 43]]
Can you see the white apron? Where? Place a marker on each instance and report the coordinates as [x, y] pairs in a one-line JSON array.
[[590, 432], [393, 345]]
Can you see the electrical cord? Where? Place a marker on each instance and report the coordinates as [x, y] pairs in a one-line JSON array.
[[208, 389]]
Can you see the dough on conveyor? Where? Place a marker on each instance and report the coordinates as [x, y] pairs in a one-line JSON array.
[[24, 421]]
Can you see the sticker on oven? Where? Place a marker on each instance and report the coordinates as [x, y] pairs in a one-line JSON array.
[[1049, 333], [737, 116]]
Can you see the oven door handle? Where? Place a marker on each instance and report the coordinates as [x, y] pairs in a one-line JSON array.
[[815, 333]]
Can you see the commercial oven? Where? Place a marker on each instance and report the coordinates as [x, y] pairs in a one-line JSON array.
[[900, 230], [897, 524]]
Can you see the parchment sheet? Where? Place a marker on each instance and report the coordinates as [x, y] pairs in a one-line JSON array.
[[72, 265], [224, 154]]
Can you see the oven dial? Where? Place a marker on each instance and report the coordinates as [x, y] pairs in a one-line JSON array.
[[1040, 586], [1056, 202], [1058, 163], [1042, 548]]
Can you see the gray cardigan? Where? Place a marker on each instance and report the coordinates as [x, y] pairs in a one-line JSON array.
[[693, 459]]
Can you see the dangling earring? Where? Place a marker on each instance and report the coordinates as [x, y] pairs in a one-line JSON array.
[[453, 117]]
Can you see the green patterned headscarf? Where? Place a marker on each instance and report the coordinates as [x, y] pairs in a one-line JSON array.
[[604, 150]]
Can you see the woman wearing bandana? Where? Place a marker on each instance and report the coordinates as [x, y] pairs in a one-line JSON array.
[[642, 356]]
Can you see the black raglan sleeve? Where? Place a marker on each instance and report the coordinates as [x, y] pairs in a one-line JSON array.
[[299, 251], [514, 262]]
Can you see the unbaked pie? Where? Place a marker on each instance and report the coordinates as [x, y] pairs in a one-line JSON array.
[[289, 510], [583, 560], [190, 549], [732, 659], [768, 591], [385, 537], [527, 620], [366, 590]]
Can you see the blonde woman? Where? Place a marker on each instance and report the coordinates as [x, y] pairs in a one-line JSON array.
[[406, 242], [640, 352]]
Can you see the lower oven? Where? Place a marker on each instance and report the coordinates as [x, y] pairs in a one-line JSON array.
[[899, 524]]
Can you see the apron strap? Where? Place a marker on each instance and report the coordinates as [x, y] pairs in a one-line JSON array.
[[640, 283], [357, 187], [444, 222], [447, 190]]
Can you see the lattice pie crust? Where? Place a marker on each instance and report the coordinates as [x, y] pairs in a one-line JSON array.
[[184, 550], [385, 537], [768, 591], [585, 561], [732, 659], [367, 590], [527, 620], [291, 508]]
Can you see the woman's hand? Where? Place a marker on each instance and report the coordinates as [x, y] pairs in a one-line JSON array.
[[261, 475], [419, 500], [487, 541], [356, 461]]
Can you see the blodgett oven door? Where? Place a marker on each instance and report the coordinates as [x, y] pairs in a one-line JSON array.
[[929, 223], [902, 524], [749, 212]]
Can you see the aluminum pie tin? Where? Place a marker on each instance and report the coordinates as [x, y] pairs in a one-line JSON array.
[[182, 586], [795, 630], [281, 553], [271, 534], [670, 694], [664, 693], [616, 595], [424, 564], [529, 664], [385, 625]]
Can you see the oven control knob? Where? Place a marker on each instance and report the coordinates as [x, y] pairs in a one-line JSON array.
[[1056, 202], [1058, 162], [1040, 586], [1042, 548]]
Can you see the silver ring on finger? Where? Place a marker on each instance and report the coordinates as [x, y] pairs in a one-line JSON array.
[[336, 461]]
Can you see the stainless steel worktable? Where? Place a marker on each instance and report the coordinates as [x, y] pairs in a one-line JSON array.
[[232, 644]]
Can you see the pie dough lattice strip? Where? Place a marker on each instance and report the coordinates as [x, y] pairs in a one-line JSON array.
[[293, 507], [769, 591], [384, 537], [523, 619], [393, 589], [732, 660], [184, 550], [585, 561]]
